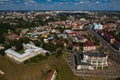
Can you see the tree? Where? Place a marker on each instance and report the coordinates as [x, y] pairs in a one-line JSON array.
[[1, 39], [47, 54], [49, 46], [2, 52], [18, 45], [37, 43], [59, 53], [24, 40], [59, 45]]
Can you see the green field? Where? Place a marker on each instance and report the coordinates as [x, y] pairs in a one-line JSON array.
[[15, 71]]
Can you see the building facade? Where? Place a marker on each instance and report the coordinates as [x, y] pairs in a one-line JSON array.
[[30, 51], [96, 59], [91, 60], [89, 46]]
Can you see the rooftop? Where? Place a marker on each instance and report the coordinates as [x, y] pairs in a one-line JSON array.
[[79, 58], [108, 35], [26, 52], [75, 45], [117, 42], [95, 54], [49, 76], [88, 43]]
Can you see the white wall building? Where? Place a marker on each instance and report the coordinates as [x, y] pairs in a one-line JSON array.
[[91, 60], [97, 26], [30, 51], [96, 59], [1, 47], [80, 64]]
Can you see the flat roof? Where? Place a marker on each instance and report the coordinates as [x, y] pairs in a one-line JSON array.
[[95, 54], [79, 58], [26, 52]]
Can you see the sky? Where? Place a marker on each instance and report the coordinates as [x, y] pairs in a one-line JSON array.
[[111, 5]]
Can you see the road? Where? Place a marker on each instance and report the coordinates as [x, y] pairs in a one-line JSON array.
[[113, 54], [112, 72]]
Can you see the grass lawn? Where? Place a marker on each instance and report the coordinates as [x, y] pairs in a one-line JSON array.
[[21, 51], [15, 71]]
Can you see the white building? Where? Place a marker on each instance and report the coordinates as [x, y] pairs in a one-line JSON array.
[[30, 51], [91, 60], [97, 26], [96, 59], [1, 47], [80, 65], [89, 46]]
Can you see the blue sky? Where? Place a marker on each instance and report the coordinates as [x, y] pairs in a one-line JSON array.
[[60, 5]]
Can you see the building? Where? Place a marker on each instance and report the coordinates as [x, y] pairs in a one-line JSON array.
[[75, 47], [30, 50], [100, 32], [116, 45], [12, 36], [97, 26], [91, 60], [80, 65], [96, 59], [80, 38], [1, 72], [89, 46], [1, 47], [61, 41], [33, 35], [51, 75], [69, 32], [108, 37]]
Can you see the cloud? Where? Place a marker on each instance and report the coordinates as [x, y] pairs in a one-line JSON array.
[[76, 3], [97, 2], [81, 2], [30, 1], [49, 0], [61, 3], [4, 0]]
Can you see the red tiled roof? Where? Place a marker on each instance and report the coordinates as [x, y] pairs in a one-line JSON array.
[[75, 45], [12, 36], [49, 76], [81, 36], [88, 43], [58, 41], [100, 31], [108, 35], [117, 42], [72, 33]]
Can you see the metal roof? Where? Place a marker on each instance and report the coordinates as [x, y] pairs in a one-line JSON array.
[[26, 52]]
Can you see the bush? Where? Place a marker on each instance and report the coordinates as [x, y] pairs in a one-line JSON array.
[[35, 59]]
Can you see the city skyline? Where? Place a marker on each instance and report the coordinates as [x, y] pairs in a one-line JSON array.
[[110, 5]]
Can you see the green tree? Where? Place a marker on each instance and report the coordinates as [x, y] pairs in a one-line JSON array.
[[2, 52], [59, 53], [18, 45]]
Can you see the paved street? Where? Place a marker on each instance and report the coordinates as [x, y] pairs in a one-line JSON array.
[[111, 72], [114, 54]]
